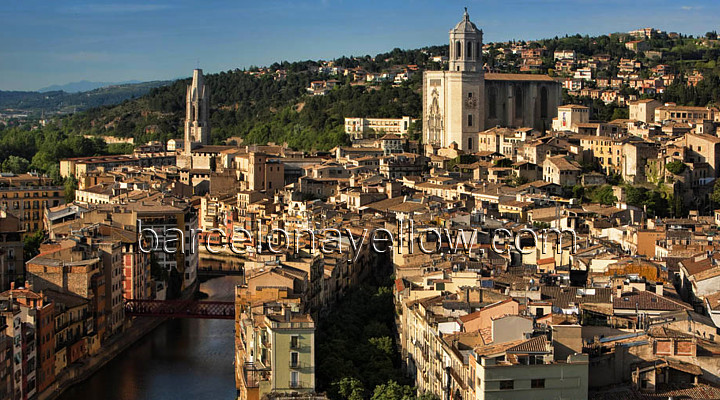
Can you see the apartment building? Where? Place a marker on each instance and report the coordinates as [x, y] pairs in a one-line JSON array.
[[675, 113], [526, 368], [258, 171], [26, 196], [19, 326], [644, 110], [360, 128], [561, 171], [12, 266], [80, 166], [274, 352]]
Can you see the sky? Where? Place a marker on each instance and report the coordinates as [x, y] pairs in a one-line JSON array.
[[56, 42]]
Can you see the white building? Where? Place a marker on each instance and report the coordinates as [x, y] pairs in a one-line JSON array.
[[357, 128], [570, 115]]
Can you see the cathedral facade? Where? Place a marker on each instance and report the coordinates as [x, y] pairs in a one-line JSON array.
[[464, 100]]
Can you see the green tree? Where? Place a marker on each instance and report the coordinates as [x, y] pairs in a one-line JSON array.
[[71, 186], [350, 388], [715, 195], [16, 165], [31, 244], [503, 163], [578, 192], [676, 167], [393, 391], [603, 195]]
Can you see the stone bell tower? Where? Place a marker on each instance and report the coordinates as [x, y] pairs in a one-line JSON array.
[[454, 100], [197, 112], [466, 46]]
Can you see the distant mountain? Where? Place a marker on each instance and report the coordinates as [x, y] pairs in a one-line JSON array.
[[59, 101], [82, 86]]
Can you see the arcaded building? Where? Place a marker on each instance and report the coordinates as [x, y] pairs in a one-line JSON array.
[[464, 100]]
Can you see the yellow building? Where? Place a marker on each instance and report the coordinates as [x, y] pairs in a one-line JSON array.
[[26, 196]]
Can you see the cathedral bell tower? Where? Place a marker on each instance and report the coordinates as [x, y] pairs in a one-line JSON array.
[[454, 100], [197, 112], [466, 46]]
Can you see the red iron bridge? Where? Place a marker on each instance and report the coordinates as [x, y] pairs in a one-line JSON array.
[[180, 309]]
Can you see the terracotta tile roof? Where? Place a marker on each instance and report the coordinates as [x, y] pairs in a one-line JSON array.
[[561, 297], [713, 301], [538, 344], [646, 301], [694, 267], [490, 76]]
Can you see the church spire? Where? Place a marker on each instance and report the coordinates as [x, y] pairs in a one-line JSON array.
[[197, 112]]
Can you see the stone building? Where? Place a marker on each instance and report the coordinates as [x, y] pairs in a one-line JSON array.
[[197, 121], [464, 100]]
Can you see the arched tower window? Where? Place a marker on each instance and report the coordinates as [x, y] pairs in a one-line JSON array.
[[458, 50], [492, 103], [518, 102], [468, 50], [544, 102], [470, 143]]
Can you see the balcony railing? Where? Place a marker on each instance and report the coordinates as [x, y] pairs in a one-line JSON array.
[[251, 375], [296, 365], [297, 385]]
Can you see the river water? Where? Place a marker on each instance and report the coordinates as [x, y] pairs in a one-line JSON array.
[[181, 359]]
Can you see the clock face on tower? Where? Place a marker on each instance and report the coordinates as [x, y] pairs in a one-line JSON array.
[[471, 102]]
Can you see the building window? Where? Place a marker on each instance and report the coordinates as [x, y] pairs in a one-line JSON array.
[[507, 384], [469, 95], [537, 383], [469, 120], [458, 50], [470, 143], [468, 51]]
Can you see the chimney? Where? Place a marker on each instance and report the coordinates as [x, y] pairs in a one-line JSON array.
[[27, 285], [619, 291], [659, 288], [12, 285]]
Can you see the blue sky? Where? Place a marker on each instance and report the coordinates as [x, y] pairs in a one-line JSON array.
[[55, 42]]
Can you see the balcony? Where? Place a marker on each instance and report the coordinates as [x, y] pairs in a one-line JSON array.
[[297, 385], [251, 375], [297, 365]]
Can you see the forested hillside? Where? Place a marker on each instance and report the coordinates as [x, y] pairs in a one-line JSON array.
[[261, 108], [262, 105]]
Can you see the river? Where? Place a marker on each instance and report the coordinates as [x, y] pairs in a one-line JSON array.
[[181, 359]]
